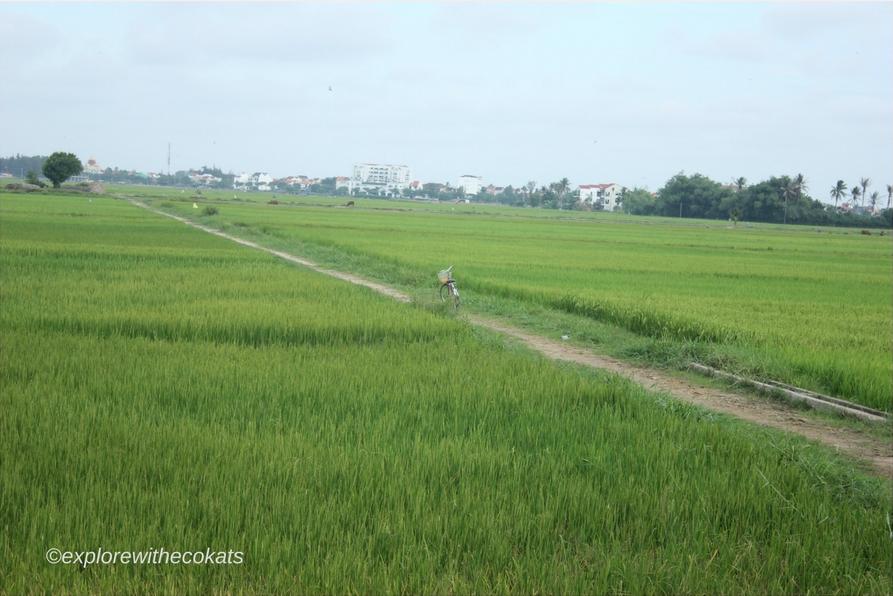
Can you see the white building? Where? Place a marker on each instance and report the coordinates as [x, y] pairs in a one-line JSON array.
[[262, 181], [602, 197], [380, 178], [91, 167], [256, 181], [204, 179], [242, 181], [472, 185]]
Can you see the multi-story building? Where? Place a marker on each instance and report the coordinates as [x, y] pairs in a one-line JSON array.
[[602, 197], [471, 185], [380, 178]]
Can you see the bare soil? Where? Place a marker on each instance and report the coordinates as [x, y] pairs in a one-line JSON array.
[[861, 445]]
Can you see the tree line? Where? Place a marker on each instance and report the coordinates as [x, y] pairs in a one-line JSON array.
[[57, 168], [780, 199], [556, 195], [20, 165]]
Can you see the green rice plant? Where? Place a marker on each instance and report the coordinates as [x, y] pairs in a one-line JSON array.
[[808, 306], [162, 387]]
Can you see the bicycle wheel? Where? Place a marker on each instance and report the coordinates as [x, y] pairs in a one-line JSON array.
[[455, 292], [450, 293]]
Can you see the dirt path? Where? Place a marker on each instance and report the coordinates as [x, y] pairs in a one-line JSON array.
[[354, 279], [765, 412], [760, 411]]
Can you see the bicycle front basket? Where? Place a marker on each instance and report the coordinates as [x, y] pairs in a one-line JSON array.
[[443, 276]]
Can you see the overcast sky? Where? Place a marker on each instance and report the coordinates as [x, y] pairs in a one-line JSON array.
[[631, 93]]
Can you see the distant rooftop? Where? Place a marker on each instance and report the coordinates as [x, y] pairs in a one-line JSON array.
[[598, 186]]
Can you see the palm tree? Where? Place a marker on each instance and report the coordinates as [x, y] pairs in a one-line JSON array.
[[800, 184], [864, 183], [838, 191], [789, 191], [874, 197], [889, 194], [856, 192], [560, 189], [740, 183], [563, 186]]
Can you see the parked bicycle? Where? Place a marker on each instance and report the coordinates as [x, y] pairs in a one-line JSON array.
[[449, 291]]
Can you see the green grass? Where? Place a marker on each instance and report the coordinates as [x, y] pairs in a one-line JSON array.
[[809, 306], [166, 388]]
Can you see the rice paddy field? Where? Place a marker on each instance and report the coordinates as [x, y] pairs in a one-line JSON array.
[[165, 388], [809, 306]]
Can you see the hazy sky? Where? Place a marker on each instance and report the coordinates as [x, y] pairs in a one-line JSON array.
[[631, 93]]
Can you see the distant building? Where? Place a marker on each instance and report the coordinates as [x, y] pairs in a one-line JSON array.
[[342, 182], [256, 181], [262, 181], [91, 167], [204, 179], [383, 179], [471, 185], [602, 197], [242, 181], [857, 209], [302, 182]]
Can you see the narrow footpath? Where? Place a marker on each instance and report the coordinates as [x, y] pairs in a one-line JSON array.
[[862, 445]]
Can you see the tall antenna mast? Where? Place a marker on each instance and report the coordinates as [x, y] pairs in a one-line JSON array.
[[168, 158]]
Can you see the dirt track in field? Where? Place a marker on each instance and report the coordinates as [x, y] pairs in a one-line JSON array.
[[761, 411], [861, 445]]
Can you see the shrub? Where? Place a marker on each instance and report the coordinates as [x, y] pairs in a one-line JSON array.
[[31, 178], [209, 210]]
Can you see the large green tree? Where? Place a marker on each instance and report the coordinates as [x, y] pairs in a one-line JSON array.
[[763, 201], [61, 166], [639, 201], [693, 196]]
